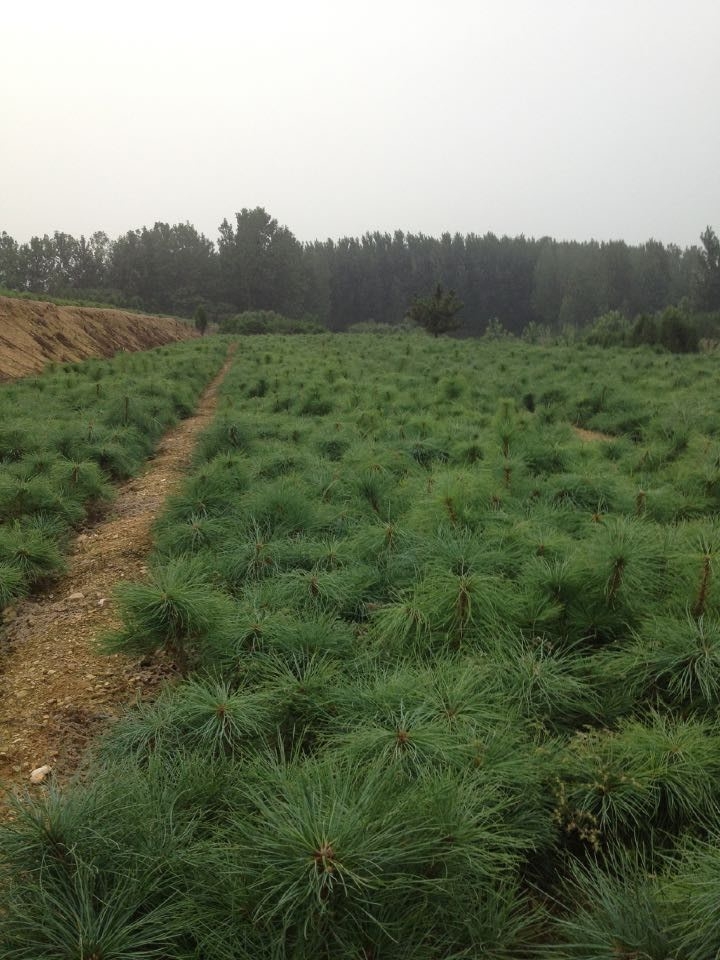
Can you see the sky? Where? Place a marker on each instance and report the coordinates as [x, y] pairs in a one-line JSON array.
[[575, 119]]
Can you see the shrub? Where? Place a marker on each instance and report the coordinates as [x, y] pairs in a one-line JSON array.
[[206, 716], [609, 330], [660, 774], [176, 610], [36, 556], [268, 321], [675, 659], [616, 910], [337, 858], [645, 330], [677, 332], [12, 583], [692, 891]]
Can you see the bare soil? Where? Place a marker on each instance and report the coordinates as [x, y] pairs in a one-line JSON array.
[[592, 436], [34, 333], [56, 689]]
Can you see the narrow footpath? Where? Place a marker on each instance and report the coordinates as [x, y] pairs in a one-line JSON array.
[[56, 689]]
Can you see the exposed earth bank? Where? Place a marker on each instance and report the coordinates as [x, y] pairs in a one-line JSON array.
[[34, 333]]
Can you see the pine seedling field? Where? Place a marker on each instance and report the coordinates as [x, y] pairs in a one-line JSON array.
[[450, 673], [67, 435]]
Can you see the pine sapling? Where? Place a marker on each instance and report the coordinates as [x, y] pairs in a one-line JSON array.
[[701, 600]]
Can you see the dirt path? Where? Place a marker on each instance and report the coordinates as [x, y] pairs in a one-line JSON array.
[[55, 689]]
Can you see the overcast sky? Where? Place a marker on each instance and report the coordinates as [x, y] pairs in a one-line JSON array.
[[571, 118]]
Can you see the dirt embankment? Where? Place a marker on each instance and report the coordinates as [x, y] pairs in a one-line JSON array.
[[33, 333]]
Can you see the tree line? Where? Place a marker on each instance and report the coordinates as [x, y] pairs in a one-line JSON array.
[[258, 264]]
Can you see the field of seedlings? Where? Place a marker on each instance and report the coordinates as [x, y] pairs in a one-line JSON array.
[[65, 436], [451, 669]]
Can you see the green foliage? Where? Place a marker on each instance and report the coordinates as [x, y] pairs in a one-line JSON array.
[[102, 299], [622, 911], [225, 436], [674, 660], [206, 716], [437, 313], [12, 582], [609, 330], [96, 879], [87, 914], [693, 892], [200, 319], [677, 332], [453, 668], [705, 289], [337, 857], [551, 288], [672, 328], [66, 435], [176, 610], [495, 330], [622, 785], [267, 321], [644, 330], [29, 552], [380, 329]]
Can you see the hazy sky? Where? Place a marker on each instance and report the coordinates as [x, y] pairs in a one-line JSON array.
[[572, 118]]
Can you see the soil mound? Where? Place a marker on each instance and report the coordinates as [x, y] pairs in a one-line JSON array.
[[33, 333]]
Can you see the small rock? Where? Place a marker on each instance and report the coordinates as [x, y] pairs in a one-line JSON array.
[[102, 601], [76, 596], [39, 774]]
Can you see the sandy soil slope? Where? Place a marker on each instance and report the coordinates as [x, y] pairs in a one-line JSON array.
[[33, 333]]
